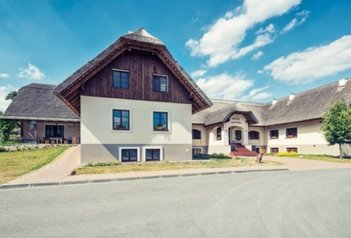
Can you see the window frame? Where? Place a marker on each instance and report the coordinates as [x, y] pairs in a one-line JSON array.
[[287, 148], [270, 134], [254, 133], [154, 76], [129, 119], [292, 136], [219, 133], [198, 137], [274, 148], [152, 148], [113, 78], [196, 148], [167, 121], [57, 125], [128, 148]]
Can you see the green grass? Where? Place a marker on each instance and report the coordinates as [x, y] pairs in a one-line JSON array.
[[327, 158], [15, 164], [159, 166]]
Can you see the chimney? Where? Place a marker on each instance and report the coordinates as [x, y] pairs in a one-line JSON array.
[[342, 82], [274, 101], [291, 96]]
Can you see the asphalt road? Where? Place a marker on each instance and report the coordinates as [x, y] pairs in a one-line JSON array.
[[270, 204]]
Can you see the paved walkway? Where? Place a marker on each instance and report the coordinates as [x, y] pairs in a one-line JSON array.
[[57, 170], [304, 164]]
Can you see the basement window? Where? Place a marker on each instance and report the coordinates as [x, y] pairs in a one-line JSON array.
[[292, 149], [274, 150]]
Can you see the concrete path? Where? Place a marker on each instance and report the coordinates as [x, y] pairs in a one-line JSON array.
[[57, 170], [298, 164]]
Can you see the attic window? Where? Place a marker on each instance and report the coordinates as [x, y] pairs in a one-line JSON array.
[[120, 79], [160, 83]]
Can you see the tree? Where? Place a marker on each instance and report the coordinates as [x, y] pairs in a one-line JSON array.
[[6, 126], [337, 124]]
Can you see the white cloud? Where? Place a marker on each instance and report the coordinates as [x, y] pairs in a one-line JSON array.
[[257, 55], [221, 42], [4, 90], [4, 76], [198, 73], [299, 19], [268, 29], [31, 72], [313, 63], [225, 86], [258, 94]]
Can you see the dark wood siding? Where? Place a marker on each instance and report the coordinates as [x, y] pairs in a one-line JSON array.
[[141, 66]]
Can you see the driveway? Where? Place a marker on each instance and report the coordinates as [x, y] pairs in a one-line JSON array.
[[57, 170], [272, 204], [298, 164]]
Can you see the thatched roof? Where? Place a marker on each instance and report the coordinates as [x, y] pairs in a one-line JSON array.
[[38, 102], [304, 106], [69, 90]]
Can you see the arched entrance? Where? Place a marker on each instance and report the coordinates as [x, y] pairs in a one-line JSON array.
[[236, 135]]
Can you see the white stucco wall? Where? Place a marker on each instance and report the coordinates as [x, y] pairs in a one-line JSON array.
[[261, 130], [96, 122]]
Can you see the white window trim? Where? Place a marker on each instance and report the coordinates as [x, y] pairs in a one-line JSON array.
[[152, 147], [128, 148], [168, 122], [162, 75], [197, 147], [292, 146], [122, 70], [130, 120]]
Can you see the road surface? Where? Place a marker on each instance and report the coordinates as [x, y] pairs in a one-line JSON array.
[[266, 204]]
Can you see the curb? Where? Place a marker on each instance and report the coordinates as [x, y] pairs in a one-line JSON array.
[[48, 184]]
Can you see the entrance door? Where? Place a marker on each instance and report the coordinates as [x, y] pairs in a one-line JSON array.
[[238, 135]]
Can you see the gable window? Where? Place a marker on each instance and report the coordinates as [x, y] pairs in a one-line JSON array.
[[121, 119], [54, 131], [120, 79], [219, 133], [292, 149], [254, 135], [160, 83], [196, 134], [291, 132], [274, 134], [160, 121], [128, 154]]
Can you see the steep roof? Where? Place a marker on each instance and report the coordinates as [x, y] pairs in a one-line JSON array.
[[69, 90], [307, 105], [38, 102]]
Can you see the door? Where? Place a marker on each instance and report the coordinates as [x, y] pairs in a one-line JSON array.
[[238, 135]]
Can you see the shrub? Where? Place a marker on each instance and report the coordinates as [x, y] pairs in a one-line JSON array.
[[201, 157], [2, 149], [288, 154], [219, 156]]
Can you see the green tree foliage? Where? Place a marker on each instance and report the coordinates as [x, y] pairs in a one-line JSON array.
[[337, 124], [6, 126]]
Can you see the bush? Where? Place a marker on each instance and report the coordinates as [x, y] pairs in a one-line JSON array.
[[288, 154], [220, 156], [201, 157], [2, 149]]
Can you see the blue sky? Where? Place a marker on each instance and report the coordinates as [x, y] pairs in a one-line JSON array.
[[249, 50]]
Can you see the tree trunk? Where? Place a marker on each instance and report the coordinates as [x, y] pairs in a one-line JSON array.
[[340, 149]]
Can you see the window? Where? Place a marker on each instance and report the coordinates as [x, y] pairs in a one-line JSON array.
[[129, 154], [197, 150], [254, 135], [160, 83], [152, 154], [291, 132], [292, 149], [274, 150], [219, 133], [160, 121], [120, 79], [196, 134], [121, 120], [54, 131], [274, 134]]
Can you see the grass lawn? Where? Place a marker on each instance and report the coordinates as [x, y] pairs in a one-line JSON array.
[[15, 164], [158, 166], [321, 157]]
